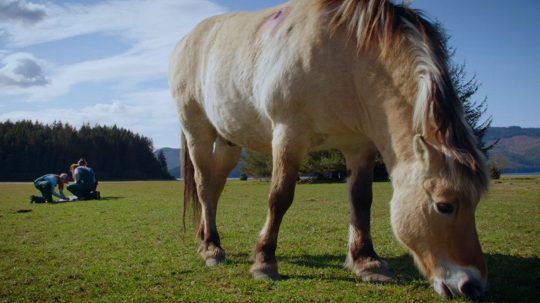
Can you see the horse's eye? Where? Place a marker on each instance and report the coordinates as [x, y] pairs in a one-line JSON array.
[[444, 208]]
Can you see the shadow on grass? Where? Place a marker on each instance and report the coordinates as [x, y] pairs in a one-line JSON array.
[[110, 198], [238, 258], [402, 265], [511, 278], [23, 211], [318, 261]]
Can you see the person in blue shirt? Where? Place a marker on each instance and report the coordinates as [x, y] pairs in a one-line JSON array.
[[46, 185]]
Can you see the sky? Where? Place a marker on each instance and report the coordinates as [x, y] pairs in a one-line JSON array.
[[105, 62]]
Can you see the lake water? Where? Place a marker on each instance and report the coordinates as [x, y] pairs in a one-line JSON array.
[[534, 173]]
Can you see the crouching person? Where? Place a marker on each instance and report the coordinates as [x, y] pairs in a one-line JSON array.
[[46, 185], [84, 186]]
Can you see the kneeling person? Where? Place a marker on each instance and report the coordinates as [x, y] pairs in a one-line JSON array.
[[46, 185], [84, 185]]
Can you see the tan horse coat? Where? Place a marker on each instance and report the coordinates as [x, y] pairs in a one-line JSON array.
[[357, 75]]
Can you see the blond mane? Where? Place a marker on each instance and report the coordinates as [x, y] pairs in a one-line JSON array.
[[438, 112]]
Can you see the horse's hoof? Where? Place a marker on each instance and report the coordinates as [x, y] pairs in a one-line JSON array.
[[260, 275], [213, 255], [377, 276], [265, 272], [211, 262], [378, 272], [374, 271]]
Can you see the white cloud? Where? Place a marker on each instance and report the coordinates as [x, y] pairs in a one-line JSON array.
[[150, 113], [141, 21], [121, 68], [21, 70], [150, 28], [20, 11]]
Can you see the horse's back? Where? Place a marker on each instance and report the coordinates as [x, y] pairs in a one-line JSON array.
[[248, 72]]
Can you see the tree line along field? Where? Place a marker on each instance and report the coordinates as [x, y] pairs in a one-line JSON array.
[[130, 246], [31, 149]]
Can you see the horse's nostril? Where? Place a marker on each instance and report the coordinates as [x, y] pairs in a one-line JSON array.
[[471, 289], [446, 291]]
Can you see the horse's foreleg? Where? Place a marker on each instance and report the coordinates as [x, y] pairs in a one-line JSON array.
[[287, 151], [361, 257]]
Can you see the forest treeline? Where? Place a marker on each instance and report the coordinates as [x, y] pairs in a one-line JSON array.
[[30, 149]]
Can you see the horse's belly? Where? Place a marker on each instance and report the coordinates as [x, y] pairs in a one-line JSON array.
[[242, 125]]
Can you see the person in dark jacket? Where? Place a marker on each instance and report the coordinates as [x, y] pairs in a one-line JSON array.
[[85, 183], [46, 185], [83, 164]]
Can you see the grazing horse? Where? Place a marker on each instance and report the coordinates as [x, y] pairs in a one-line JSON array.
[[362, 76]]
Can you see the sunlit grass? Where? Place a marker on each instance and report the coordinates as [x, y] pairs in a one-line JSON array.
[[129, 247]]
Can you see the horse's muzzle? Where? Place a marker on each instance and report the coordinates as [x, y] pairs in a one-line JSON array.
[[469, 288]]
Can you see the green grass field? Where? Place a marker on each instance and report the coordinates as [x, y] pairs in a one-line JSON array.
[[129, 247]]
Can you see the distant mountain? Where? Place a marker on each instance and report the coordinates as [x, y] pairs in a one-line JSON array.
[[172, 155], [518, 149]]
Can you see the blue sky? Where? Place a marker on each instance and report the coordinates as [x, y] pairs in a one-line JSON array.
[[106, 61]]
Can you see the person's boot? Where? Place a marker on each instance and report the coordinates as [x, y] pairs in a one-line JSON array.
[[37, 199]]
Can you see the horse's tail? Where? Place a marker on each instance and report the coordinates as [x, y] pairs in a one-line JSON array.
[[191, 199]]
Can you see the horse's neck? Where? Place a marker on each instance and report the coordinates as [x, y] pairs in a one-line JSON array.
[[395, 144], [390, 112], [387, 112]]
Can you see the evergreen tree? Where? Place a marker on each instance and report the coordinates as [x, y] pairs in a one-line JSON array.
[[326, 165], [163, 164], [466, 88], [30, 149], [256, 164], [379, 170]]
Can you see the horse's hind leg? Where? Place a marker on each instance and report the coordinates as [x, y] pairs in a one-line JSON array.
[[213, 159], [288, 149], [361, 257]]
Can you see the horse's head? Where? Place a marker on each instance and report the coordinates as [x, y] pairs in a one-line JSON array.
[[433, 215]]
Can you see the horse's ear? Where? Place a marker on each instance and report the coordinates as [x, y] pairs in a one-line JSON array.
[[423, 151]]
